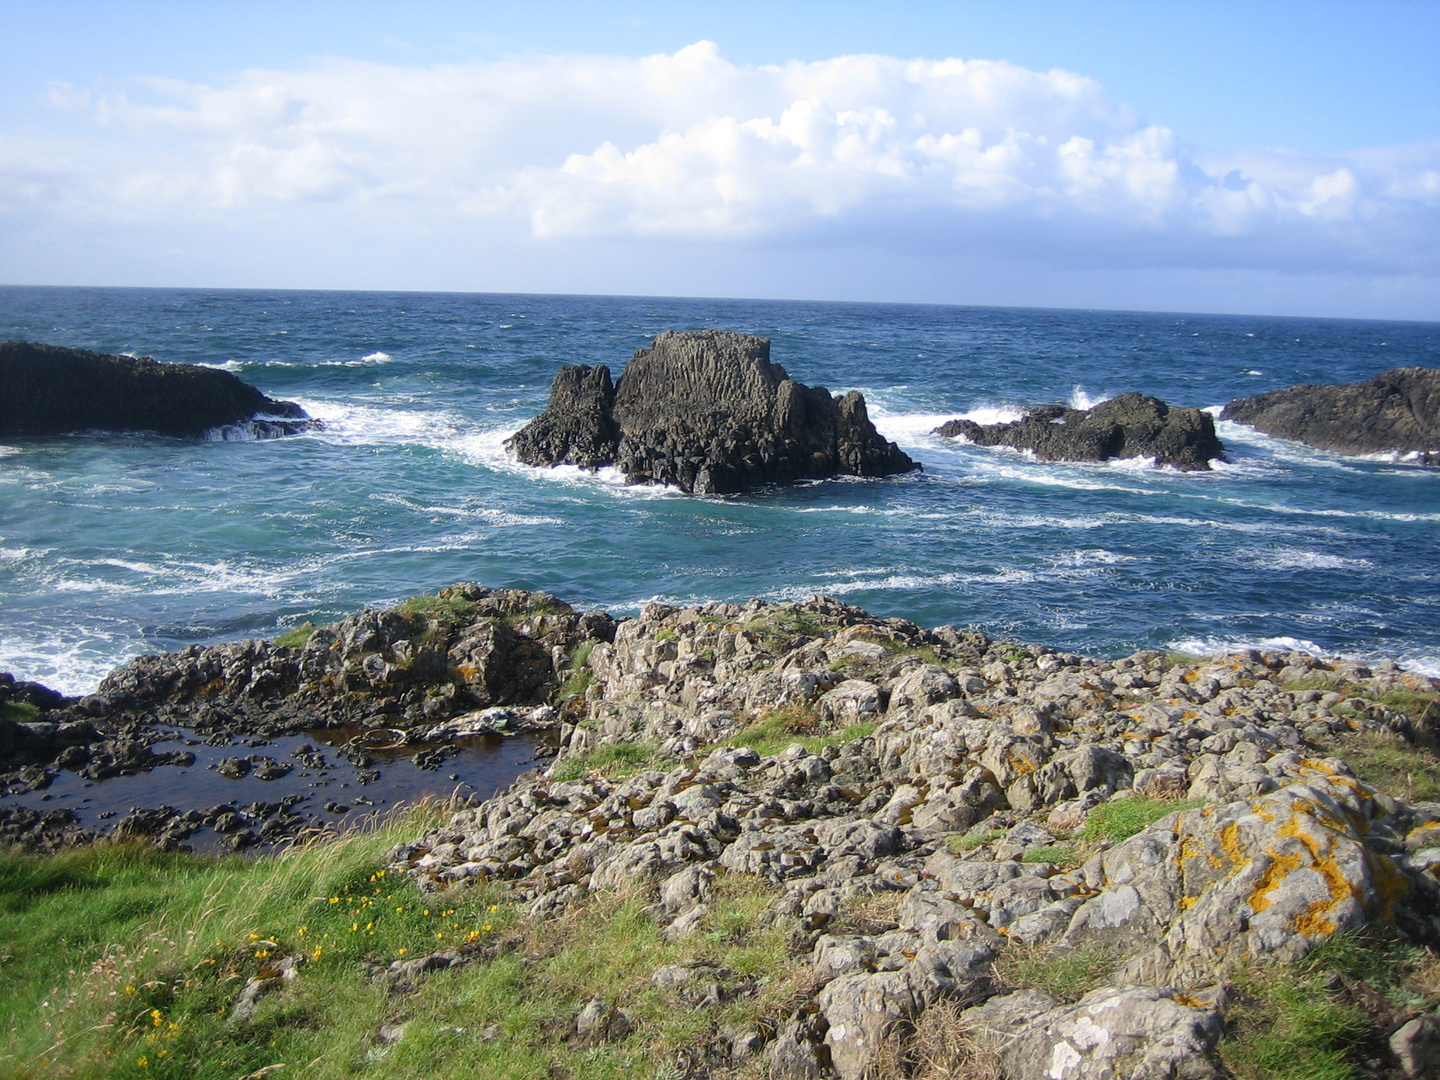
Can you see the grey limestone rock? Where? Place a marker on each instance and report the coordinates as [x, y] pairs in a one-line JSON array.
[[1140, 1033]]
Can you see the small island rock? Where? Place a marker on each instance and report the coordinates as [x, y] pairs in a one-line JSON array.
[[708, 412], [1398, 412], [51, 390], [1128, 426]]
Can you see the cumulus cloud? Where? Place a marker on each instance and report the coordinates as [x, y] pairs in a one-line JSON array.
[[930, 154]]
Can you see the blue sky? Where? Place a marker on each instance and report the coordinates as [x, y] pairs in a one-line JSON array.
[[1263, 157]]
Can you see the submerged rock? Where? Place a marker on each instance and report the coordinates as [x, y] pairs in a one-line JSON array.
[[1128, 426], [1398, 411], [50, 390], [708, 412]]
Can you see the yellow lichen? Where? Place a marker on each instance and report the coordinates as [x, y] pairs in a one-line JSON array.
[[1229, 840], [1272, 877]]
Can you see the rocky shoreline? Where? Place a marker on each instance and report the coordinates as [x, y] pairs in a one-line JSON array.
[[947, 781]]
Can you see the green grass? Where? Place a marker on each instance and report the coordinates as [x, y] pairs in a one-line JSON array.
[[443, 607], [1069, 974], [961, 842], [1055, 854], [580, 677], [1286, 1026], [1123, 818], [776, 729], [124, 962], [1387, 762], [295, 637], [666, 634], [21, 712], [612, 760]]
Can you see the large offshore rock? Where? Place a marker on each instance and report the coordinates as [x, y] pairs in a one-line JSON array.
[[1398, 411], [1128, 426], [708, 412], [49, 390], [577, 427]]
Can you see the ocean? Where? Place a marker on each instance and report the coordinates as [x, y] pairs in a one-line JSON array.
[[115, 545]]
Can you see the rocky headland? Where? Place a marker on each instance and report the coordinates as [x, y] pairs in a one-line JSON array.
[[707, 412], [936, 816], [1128, 426], [50, 390], [1397, 412]]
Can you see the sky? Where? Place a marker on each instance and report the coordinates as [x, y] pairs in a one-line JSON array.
[[1263, 157]]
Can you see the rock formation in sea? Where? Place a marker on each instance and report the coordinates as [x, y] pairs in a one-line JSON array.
[[1397, 412], [941, 821], [50, 390], [708, 412], [1128, 426]]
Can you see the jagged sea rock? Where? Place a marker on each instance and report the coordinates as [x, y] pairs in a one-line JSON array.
[[1397, 412], [1128, 426], [50, 390], [707, 412]]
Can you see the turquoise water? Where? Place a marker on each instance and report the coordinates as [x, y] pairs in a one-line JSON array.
[[115, 545]]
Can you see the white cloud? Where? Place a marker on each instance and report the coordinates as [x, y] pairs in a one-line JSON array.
[[692, 146]]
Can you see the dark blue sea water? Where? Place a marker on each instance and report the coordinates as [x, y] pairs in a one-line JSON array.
[[111, 546]]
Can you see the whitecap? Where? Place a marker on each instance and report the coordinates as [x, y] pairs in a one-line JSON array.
[[1299, 559], [1080, 399], [1422, 663], [376, 357]]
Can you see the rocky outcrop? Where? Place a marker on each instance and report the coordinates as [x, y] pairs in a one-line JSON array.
[[49, 390], [917, 803], [438, 669], [422, 664], [707, 412], [935, 776], [1397, 412], [1128, 426]]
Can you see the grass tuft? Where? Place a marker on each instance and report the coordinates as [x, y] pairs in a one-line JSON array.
[[611, 760], [1069, 974], [775, 729], [19, 712], [1121, 819], [295, 637]]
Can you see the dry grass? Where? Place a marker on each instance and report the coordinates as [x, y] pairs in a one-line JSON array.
[[939, 1046], [1388, 763]]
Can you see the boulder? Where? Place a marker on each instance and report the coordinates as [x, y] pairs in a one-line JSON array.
[[1241, 883], [49, 390], [1141, 1033], [1398, 411], [1128, 426], [707, 412]]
